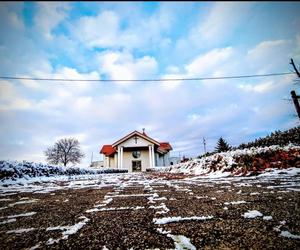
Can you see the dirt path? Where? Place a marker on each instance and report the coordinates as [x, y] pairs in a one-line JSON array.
[[152, 211]]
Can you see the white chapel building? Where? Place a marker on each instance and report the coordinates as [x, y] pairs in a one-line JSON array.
[[136, 152]]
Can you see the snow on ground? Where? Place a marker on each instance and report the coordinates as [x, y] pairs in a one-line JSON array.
[[227, 163], [267, 218], [157, 195], [163, 207], [20, 231], [23, 202], [252, 214], [67, 230], [20, 215], [182, 242], [235, 202], [7, 221], [287, 234], [167, 220], [5, 199]]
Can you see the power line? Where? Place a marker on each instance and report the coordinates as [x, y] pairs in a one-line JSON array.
[[144, 80]]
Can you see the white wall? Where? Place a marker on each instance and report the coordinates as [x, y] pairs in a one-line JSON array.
[[128, 158]]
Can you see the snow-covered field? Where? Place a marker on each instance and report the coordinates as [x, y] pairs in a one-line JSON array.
[[151, 211]]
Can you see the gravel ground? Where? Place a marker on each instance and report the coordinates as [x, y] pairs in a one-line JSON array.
[[121, 211]]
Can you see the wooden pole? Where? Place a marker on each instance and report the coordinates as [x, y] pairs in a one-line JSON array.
[[295, 68], [204, 144], [296, 102]]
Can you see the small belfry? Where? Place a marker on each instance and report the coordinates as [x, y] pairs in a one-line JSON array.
[[136, 152]]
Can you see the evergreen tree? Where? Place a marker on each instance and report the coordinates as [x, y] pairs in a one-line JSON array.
[[222, 146]]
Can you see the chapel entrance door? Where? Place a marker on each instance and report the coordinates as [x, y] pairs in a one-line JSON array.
[[136, 166]]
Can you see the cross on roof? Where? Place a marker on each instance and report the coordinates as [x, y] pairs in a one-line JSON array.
[[136, 138]]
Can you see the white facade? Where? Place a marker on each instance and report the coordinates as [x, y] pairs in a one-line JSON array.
[[136, 152]]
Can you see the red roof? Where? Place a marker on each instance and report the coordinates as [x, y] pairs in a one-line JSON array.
[[163, 147], [107, 150], [166, 146]]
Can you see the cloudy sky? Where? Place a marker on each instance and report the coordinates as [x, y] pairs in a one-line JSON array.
[[141, 41]]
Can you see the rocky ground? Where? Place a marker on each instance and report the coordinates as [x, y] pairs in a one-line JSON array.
[[152, 211]]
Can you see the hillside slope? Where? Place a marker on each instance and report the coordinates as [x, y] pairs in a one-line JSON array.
[[241, 162]]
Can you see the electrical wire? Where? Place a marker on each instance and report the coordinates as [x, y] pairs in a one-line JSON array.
[[143, 80]]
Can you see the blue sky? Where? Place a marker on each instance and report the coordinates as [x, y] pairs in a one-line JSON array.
[[94, 40]]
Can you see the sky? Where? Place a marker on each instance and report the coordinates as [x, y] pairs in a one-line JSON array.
[[144, 40]]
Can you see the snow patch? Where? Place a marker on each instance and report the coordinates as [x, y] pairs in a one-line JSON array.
[[7, 221], [113, 209], [20, 231], [252, 214], [167, 220], [21, 215], [267, 218], [23, 202], [35, 247], [235, 202], [181, 242], [67, 230], [287, 234], [162, 231]]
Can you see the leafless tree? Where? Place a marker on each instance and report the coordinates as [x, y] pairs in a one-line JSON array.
[[64, 151]]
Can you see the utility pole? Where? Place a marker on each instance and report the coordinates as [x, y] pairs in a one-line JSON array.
[[92, 158], [204, 145], [293, 93], [296, 102], [295, 68]]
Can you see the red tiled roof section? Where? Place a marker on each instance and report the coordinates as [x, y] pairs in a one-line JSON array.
[[166, 146], [107, 150]]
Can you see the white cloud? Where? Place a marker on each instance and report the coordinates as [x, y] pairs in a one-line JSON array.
[[10, 15], [49, 15], [11, 98], [81, 137], [105, 30], [209, 62], [7, 90], [221, 22], [98, 31], [17, 104], [15, 20], [213, 28], [259, 88], [269, 55], [122, 65], [213, 63]]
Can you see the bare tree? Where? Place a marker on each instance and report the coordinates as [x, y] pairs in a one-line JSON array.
[[64, 151]]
